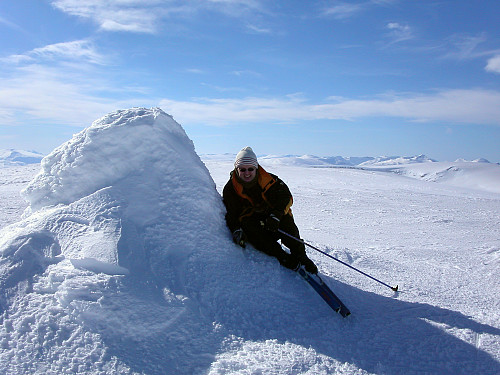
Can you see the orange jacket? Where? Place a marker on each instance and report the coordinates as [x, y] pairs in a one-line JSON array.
[[273, 196]]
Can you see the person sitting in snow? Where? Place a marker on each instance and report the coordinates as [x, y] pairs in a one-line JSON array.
[[258, 204]]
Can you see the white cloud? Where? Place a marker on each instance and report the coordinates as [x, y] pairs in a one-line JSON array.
[[122, 15], [82, 51], [65, 96], [493, 65], [234, 8], [16, 59], [54, 83], [455, 106], [258, 30], [194, 71], [399, 33], [451, 106], [343, 10], [146, 16], [465, 46], [41, 94], [65, 83]]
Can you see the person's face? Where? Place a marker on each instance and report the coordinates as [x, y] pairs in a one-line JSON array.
[[247, 172]]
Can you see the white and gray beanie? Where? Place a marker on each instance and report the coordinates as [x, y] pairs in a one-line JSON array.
[[246, 157]]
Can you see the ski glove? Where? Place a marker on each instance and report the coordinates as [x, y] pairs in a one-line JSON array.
[[272, 223], [239, 237]]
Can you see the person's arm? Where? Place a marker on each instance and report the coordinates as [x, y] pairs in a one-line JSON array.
[[279, 198], [233, 207]]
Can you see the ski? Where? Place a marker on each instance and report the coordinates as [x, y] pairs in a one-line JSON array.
[[325, 292]]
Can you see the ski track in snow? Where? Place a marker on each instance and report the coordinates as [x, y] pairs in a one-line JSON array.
[[223, 310]]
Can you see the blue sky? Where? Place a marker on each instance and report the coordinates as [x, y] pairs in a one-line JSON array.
[[349, 78]]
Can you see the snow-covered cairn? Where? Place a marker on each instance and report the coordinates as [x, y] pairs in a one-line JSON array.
[[97, 193], [126, 196]]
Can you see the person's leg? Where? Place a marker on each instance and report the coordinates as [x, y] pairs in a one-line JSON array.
[[260, 238], [298, 250], [267, 242], [287, 225]]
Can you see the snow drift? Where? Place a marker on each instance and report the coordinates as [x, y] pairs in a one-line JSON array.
[[126, 172], [126, 196]]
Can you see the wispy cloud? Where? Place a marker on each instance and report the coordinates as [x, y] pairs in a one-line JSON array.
[[79, 50], [147, 16], [64, 83], [399, 32], [10, 24], [82, 50], [234, 8], [49, 93], [343, 10], [451, 106], [254, 29], [243, 73], [117, 15], [194, 71], [44, 94], [465, 46]]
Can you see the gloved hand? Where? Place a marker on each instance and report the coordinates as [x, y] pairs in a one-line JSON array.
[[239, 237], [272, 223]]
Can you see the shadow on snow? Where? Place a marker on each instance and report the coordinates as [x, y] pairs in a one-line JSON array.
[[384, 334]]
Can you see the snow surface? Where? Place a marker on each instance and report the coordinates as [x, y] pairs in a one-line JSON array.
[[472, 175], [122, 264]]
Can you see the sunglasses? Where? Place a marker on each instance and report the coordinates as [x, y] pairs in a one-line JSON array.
[[246, 169]]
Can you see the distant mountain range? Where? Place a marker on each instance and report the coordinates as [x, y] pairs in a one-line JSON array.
[[22, 157], [366, 161], [19, 157]]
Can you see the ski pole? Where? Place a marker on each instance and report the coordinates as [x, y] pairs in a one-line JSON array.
[[395, 288]]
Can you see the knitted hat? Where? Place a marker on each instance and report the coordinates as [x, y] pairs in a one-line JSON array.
[[246, 157]]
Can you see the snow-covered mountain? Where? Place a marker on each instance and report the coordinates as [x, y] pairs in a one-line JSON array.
[[19, 157], [318, 161], [479, 160], [122, 264], [396, 160]]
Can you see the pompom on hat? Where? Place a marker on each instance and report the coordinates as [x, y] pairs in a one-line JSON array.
[[246, 157]]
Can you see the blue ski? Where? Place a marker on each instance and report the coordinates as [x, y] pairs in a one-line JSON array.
[[325, 292]]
